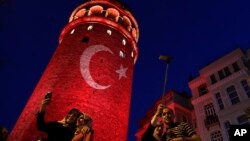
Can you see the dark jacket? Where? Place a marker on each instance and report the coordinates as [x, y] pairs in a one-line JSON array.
[[55, 130]]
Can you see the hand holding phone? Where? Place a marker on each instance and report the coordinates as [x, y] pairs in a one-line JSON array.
[[46, 101], [48, 95]]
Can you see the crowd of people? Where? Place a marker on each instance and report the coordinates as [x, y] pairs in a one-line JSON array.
[[75, 126]]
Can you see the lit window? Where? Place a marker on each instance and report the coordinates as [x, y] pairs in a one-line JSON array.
[[72, 31], [132, 54], [121, 54], [124, 42], [109, 32], [90, 27]]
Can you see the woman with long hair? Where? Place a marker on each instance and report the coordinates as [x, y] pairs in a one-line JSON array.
[[84, 130]]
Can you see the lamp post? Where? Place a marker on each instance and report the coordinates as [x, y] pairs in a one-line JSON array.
[[166, 59]]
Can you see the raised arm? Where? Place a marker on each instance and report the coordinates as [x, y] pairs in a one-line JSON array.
[[40, 115]]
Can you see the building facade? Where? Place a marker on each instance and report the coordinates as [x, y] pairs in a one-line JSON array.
[[181, 105], [91, 69], [220, 95]]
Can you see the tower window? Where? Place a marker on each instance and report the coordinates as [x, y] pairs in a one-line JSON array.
[[132, 54], [90, 27], [121, 54], [85, 40], [109, 32], [124, 42], [72, 31]]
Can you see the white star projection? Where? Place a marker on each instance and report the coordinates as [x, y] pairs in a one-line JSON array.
[[122, 72]]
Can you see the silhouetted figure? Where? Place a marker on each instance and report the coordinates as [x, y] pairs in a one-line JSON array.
[[3, 134], [84, 130], [57, 130]]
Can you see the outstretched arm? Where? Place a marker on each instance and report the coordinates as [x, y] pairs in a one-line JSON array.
[[148, 134], [157, 114]]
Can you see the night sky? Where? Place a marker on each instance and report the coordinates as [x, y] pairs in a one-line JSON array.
[[194, 33]]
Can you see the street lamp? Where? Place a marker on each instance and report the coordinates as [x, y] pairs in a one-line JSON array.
[[166, 59]]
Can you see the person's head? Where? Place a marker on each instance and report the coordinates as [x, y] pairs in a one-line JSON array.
[[84, 119], [167, 115], [158, 129], [72, 116], [3, 134]]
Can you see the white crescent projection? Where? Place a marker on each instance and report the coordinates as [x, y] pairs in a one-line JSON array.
[[85, 62]]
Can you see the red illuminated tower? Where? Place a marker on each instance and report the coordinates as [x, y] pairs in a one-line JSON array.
[[92, 70]]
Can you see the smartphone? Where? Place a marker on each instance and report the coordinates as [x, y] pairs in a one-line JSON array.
[[48, 95]]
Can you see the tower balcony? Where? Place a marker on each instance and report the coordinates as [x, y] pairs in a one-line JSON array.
[[107, 10]]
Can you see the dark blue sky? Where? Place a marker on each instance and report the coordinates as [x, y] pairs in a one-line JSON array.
[[193, 32]]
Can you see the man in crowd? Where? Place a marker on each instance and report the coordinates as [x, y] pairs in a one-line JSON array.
[[174, 131]]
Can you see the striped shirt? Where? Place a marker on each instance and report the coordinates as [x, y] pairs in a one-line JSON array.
[[179, 130]]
